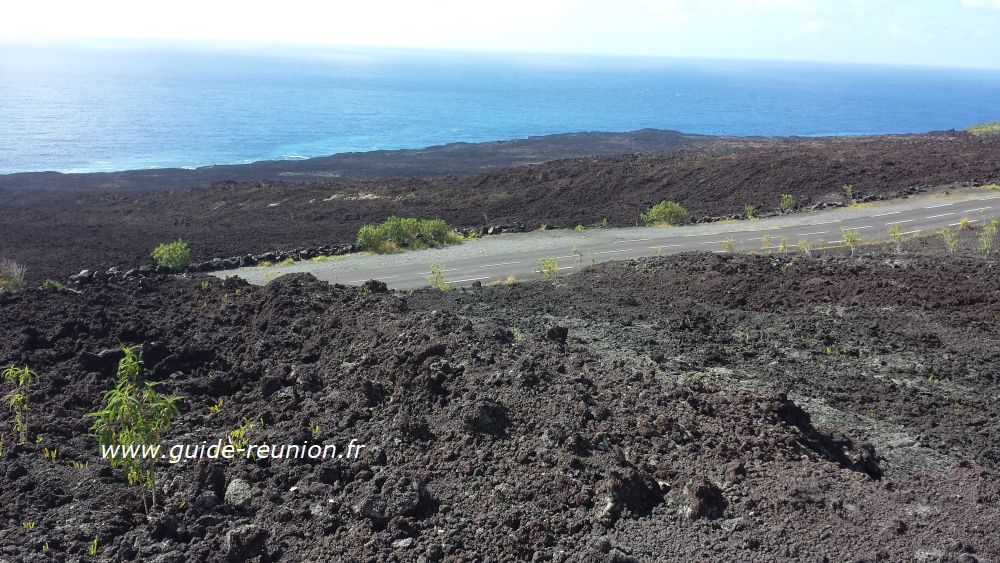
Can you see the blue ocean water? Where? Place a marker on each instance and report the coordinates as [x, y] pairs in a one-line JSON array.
[[126, 107]]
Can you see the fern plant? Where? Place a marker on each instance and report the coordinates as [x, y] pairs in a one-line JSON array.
[[134, 415], [21, 377]]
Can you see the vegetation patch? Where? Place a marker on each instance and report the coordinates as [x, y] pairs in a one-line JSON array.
[[548, 267], [437, 280], [174, 255], [134, 415], [11, 275], [985, 128], [399, 233], [666, 213]]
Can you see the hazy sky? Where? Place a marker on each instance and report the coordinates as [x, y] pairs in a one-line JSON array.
[[927, 32]]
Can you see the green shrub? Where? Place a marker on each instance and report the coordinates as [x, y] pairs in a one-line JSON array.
[[174, 255], [666, 213], [133, 415], [728, 244], [437, 280], [548, 268], [21, 378], [787, 202], [981, 128], [11, 275], [751, 211], [851, 238], [896, 236], [397, 233], [950, 240], [848, 191], [806, 246], [986, 236]]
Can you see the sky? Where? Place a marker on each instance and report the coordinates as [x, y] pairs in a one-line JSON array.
[[958, 33]]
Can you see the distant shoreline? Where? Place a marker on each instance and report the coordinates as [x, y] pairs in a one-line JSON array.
[[452, 159]]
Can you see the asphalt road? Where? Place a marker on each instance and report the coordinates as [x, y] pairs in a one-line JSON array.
[[497, 257]]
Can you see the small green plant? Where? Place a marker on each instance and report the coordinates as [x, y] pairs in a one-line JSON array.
[[805, 246], [765, 243], [751, 211], [986, 236], [518, 335], [510, 280], [205, 285], [51, 455], [174, 255], [80, 465], [29, 524], [728, 244], [133, 415], [852, 238], [933, 379], [216, 407], [992, 187], [657, 250], [950, 240], [896, 236], [316, 429], [11, 275], [53, 285], [92, 548], [21, 378], [848, 191], [964, 224], [666, 213], [437, 280], [579, 228], [787, 202], [984, 128], [577, 256], [45, 547], [268, 278], [604, 223], [783, 245], [239, 437], [548, 268]]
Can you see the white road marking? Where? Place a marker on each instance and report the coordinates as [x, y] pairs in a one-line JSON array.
[[665, 246], [913, 232], [865, 227], [960, 224], [428, 273], [473, 279], [817, 233], [712, 242], [889, 213], [500, 264], [980, 209], [631, 240], [566, 267], [378, 278], [941, 215], [898, 222], [942, 205], [613, 251]]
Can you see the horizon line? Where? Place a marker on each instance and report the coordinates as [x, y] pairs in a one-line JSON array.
[[212, 45]]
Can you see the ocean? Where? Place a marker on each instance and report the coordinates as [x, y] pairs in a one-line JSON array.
[[125, 107]]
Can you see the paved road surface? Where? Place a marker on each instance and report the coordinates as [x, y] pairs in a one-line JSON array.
[[497, 257]]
